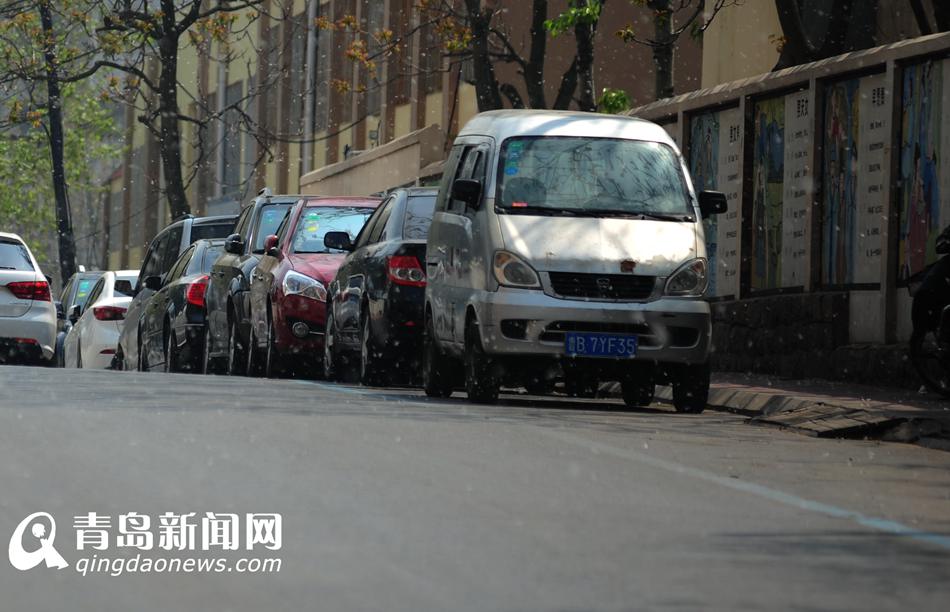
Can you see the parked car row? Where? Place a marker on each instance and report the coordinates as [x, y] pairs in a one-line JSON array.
[[561, 250]]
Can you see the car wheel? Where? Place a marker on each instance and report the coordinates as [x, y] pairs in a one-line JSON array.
[[253, 368], [235, 352], [481, 385], [272, 358], [438, 376], [78, 354], [637, 392], [691, 388], [372, 372], [330, 367], [171, 353], [143, 356]]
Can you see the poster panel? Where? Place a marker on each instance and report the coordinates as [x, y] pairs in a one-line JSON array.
[[840, 172], [768, 176], [729, 181], [921, 165], [704, 170]]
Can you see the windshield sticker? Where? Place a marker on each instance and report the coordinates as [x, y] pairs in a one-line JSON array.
[[511, 170]]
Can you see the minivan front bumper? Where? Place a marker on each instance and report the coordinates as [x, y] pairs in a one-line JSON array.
[[529, 322]]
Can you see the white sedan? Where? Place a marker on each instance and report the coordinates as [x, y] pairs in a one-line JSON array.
[[95, 333]]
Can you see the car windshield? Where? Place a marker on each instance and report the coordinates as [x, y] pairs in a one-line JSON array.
[[14, 256], [591, 176], [271, 217], [419, 211], [316, 221], [84, 286]]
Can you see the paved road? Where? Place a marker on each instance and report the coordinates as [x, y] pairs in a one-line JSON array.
[[393, 502]]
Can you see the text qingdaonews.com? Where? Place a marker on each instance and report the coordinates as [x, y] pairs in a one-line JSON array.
[[162, 565]]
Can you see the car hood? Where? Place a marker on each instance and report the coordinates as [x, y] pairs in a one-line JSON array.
[[321, 266], [598, 245]]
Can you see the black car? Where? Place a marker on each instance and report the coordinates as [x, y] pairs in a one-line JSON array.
[[228, 298], [375, 303], [74, 294], [161, 255], [174, 319]]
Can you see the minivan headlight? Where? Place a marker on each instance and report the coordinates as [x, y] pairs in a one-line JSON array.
[[304, 286], [689, 280], [512, 271]]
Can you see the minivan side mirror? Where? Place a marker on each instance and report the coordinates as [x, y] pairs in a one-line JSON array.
[[468, 191], [338, 240], [270, 246], [153, 283], [234, 244], [712, 203], [74, 312]]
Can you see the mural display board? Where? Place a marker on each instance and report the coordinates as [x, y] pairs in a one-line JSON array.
[[715, 161], [856, 132], [924, 203]]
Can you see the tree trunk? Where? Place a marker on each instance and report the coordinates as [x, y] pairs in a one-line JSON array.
[[534, 69], [486, 85], [663, 51], [584, 36], [64, 226], [920, 15], [565, 92], [942, 15], [170, 139]]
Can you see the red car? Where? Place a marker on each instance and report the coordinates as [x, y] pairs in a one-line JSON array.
[[289, 285]]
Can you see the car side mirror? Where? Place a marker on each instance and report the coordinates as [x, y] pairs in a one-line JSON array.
[[49, 279], [338, 240], [74, 312], [270, 246], [712, 203], [60, 313], [234, 244], [153, 283], [468, 191]]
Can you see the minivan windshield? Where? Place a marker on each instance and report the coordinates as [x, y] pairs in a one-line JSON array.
[[591, 176]]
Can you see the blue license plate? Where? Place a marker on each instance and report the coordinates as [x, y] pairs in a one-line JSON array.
[[586, 344]]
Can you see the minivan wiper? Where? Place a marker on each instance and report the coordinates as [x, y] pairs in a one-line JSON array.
[[541, 210], [639, 214]]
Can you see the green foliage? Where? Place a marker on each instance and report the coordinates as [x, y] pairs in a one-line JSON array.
[[27, 203], [613, 101], [579, 12]]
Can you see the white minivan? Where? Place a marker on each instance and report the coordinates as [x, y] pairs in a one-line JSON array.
[[568, 247]]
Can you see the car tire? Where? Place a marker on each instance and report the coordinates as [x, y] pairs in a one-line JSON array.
[[236, 358], [78, 355], [209, 364], [272, 360], [143, 356], [253, 362], [331, 371], [691, 388], [438, 377], [171, 353], [481, 385], [372, 362], [637, 392]]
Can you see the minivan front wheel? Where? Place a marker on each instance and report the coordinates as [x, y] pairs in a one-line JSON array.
[[437, 375], [691, 388], [480, 382]]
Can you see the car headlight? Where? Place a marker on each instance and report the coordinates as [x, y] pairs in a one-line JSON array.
[[689, 280], [304, 286], [512, 271]]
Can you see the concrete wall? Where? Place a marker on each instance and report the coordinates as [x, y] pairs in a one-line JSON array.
[[395, 164]]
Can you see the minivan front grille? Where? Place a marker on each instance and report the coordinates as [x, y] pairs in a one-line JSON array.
[[602, 286]]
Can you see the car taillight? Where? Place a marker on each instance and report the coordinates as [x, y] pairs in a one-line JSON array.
[[108, 313], [31, 290], [405, 270], [195, 294]]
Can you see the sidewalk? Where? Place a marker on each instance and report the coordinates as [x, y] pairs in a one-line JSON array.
[[833, 409]]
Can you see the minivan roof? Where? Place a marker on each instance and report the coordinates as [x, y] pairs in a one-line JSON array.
[[502, 124]]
